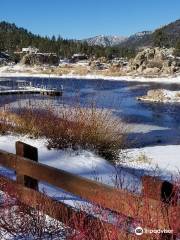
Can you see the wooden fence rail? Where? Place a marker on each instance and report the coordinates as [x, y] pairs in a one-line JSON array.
[[156, 208]]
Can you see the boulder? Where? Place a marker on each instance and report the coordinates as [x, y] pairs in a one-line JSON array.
[[156, 94], [155, 60], [151, 71], [154, 64], [40, 59]]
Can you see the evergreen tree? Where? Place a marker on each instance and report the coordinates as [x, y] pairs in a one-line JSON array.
[[160, 38], [13, 39], [177, 49]]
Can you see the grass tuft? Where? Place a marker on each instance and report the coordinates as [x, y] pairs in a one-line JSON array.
[[77, 128]]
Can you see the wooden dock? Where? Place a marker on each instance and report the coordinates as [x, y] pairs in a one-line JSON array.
[[32, 90]]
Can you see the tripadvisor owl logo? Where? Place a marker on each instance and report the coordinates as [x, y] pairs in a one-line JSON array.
[[139, 231]]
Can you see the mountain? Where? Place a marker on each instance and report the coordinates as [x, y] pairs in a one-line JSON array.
[[167, 35], [172, 31], [104, 41], [13, 39], [140, 39]]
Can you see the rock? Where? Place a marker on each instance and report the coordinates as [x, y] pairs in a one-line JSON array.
[[141, 69], [102, 60], [150, 54], [154, 64], [166, 70], [154, 95], [155, 61], [151, 71], [161, 95], [39, 59]]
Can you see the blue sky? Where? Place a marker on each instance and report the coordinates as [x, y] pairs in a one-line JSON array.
[[84, 18]]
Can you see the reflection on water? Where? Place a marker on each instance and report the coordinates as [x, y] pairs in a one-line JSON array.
[[120, 96]]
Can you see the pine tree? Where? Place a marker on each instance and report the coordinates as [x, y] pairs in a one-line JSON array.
[[13, 39], [177, 49], [160, 39]]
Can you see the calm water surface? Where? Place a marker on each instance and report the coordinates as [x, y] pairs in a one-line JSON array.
[[151, 123]]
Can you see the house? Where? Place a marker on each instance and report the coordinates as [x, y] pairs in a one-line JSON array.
[[119, 61], [78, 57], [64, 61], [30, 50]]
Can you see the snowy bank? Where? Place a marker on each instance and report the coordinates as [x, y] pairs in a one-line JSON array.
[[23, 71], [83, 163], [163, 161], [161, 95]]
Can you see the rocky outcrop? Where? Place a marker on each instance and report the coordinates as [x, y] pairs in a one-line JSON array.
[[161, 95], [155, 61], [154, 96], [40, 59]]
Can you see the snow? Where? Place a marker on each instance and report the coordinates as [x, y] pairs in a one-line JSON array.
[[20, 70], [172, 95], [163, 161], [17, 68], [168, 97], [82, 163], [27, 89]]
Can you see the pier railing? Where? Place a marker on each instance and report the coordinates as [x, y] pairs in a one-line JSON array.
[[157, 207]]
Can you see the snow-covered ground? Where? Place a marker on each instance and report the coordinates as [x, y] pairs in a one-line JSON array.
[[163, 161], [19, 70], [82, 163]]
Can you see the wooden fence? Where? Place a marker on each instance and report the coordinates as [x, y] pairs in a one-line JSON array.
[[156, 208]]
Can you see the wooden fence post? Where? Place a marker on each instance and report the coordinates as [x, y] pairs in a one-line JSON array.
[[163, 191], [157, 189], [27, 151]]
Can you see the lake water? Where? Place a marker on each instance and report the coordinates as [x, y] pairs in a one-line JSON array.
[[150, 123]]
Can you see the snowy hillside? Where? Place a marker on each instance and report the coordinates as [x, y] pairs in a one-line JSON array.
[[105, 41]]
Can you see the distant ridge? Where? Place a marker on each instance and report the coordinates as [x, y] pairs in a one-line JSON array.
[[13, 39], [140, 39], [146, 38], [105, 41]]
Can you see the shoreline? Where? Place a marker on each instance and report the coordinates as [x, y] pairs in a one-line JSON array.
[[166, 80]]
